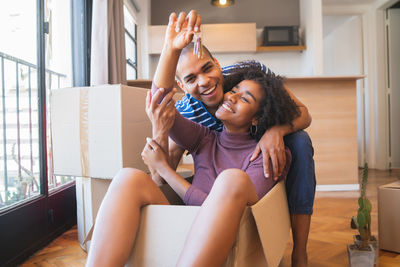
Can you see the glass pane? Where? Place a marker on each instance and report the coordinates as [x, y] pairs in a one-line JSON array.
[[19, 142], [130, 72], [129, 22], [130, 48], [58, 67]]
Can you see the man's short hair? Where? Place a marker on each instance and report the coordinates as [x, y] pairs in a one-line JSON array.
[[190, 47]]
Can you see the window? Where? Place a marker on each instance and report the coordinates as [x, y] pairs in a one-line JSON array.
[[35, 58], [130, 42], [19, 161]]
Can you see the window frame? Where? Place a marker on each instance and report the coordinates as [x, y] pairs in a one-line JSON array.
[[29, 225], [132, 63]]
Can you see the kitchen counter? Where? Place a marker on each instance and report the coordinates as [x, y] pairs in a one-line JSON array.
[[332, 103]]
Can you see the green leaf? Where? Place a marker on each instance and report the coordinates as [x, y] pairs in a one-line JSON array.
[[361, 202], [361, 220], [366, 216], [367, 205]]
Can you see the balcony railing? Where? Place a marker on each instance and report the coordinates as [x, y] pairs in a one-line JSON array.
[[19, 140]]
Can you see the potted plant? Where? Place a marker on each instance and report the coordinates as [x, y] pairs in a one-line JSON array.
[[364, 250]]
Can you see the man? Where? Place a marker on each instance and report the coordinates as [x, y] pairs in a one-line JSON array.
[[202, 80]]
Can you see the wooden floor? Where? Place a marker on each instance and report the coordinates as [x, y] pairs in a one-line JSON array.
[[329, 235]]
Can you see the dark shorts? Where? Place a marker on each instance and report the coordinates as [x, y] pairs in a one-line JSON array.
[[300, 181]]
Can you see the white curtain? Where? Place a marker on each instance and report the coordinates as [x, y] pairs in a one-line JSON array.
[[108, 60]]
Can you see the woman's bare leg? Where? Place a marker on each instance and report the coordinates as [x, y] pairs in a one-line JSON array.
[[118, 217], [213, 233]]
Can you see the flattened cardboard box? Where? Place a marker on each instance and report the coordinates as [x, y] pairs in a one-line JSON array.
[[98, 130], [389, 216], [261, 240]]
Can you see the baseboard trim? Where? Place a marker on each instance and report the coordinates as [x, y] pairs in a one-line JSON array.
[[338, 187]]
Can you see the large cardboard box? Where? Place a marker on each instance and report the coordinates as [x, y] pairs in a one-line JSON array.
[[98, 130], [389, 216], [261, 240]]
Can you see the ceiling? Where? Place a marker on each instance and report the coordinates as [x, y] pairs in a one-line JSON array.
[[346, 2]]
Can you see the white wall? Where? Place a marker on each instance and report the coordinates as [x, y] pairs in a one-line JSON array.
[[342, 45], [375, 95], [283, 63], [311, 22], [343, 55]]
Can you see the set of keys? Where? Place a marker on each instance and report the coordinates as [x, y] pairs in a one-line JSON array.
[[198, 47]]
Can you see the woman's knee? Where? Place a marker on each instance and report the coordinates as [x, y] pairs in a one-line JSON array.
[[130, 177], [232, 184], [138, 185], [299, 144]]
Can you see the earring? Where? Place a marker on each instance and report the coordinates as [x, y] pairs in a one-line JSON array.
[[253, 129]]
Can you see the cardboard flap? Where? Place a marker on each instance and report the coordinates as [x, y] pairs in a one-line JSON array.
[[247, 249], [272, 218], [394, 185], [161, 235]]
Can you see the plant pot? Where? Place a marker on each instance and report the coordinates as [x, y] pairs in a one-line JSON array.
[[373, 241], [361, 258]]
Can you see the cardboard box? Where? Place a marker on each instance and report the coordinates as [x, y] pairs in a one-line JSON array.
[[389, 216], [261, 240], [98, 130], [89, 195]]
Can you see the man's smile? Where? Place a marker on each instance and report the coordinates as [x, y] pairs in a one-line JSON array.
[[209, 91]]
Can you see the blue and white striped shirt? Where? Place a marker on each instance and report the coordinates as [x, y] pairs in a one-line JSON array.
[[194, 109]]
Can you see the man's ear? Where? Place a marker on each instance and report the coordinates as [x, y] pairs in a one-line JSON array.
[[217, 62], [180, 85]]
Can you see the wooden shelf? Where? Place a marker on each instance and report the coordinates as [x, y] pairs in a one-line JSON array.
[[281, 48]]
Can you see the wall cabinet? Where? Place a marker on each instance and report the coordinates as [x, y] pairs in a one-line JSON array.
[[219, 38]]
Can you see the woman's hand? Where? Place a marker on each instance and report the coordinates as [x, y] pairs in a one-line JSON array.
[[153, 155], [180, 30], [162, 116], [272, 147]]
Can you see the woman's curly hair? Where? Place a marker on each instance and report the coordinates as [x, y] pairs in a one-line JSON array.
[[276, 107]]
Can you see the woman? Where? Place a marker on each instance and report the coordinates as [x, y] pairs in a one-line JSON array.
[[225, 180]]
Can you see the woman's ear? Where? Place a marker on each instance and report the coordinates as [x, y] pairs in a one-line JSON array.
[[254, 121]]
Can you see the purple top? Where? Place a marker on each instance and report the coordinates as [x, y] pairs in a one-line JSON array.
[[214, 152]]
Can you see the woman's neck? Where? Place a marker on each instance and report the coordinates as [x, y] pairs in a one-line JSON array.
[[234, 129]]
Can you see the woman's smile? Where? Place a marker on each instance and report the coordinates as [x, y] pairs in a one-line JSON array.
[[227, 107]]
